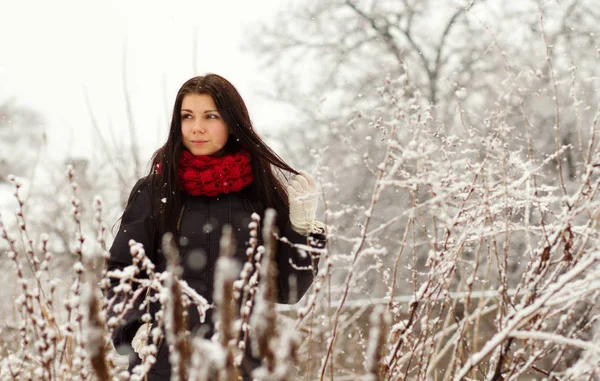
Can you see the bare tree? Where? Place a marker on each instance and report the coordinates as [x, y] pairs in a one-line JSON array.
[[21, 137]]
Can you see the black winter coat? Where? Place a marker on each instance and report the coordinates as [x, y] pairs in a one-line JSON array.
[[199, 233]]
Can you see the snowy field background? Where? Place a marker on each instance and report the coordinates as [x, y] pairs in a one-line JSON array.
[[456, 146]]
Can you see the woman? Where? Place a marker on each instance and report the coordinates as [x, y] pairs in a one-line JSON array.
[[214, 170]]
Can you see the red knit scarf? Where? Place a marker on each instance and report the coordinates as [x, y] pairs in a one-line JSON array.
[[210, 176]]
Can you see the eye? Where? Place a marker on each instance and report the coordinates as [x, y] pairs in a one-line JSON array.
[[186, 116], [212, 116]]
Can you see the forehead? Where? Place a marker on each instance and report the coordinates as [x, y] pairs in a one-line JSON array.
[[198, 102]]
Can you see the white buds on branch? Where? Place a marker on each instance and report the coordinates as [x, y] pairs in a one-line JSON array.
[[176, 322], [97, 345], [263, 321], [226, 272]]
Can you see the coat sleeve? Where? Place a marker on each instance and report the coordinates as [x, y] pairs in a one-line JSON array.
[[136, 225], [293, 273]]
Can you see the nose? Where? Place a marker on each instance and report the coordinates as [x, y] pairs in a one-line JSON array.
[[199, 127]]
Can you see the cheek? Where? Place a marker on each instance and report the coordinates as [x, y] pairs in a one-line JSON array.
[[224, 134], [185, 128]]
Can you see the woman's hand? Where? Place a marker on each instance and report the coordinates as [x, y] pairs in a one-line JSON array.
[[303, 197], [141, 337]]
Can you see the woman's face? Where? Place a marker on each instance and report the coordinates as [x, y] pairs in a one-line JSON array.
[[203, 131]]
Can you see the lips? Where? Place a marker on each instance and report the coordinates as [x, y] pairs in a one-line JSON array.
[[199, 141]]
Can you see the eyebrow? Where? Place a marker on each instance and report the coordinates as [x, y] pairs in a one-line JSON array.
[[185, 109]]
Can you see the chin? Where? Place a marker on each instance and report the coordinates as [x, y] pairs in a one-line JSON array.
[[206, 151], [201, 153]]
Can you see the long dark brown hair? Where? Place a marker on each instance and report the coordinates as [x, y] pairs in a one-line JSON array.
[[165, 192]]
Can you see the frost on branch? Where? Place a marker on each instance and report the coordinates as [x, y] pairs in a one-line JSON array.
[[459, 164]]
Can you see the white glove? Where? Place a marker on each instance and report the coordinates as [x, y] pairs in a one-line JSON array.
[[303, 196], [140, 338]]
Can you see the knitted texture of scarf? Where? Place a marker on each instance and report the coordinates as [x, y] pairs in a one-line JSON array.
[[211, 176]]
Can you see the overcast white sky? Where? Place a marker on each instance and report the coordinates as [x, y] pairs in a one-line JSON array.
[[50, 51]]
